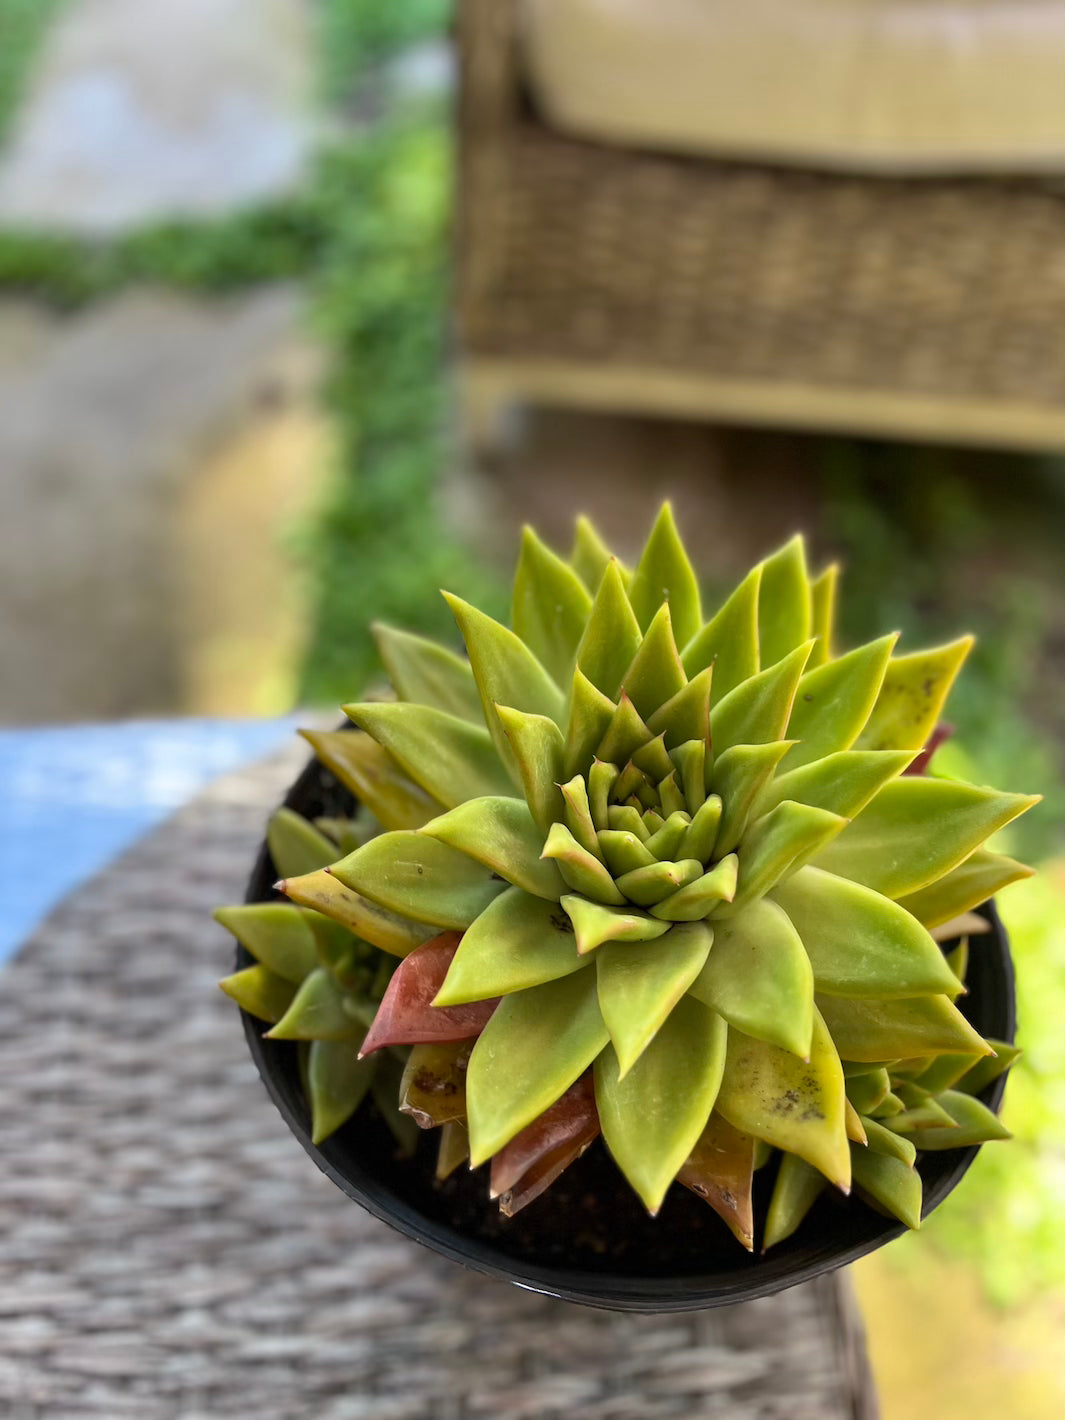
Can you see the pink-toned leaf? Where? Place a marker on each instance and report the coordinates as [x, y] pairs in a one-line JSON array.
[[939, 735], [407, 1015]]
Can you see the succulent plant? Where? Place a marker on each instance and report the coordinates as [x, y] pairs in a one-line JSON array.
[[666, 878]]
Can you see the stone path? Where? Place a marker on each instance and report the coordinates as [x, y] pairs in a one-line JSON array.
[[143, 109]]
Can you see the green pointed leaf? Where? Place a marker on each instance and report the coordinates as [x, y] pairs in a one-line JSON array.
[[590, 715], [648, 886], [664, 574], [690, 760], [337, 1083], [739, 776], [664, 842], [518, 941], [777, 845], [759, 978], [317, 1012], [578, 814], [650, 1125], [260, 992], [695, 900], [834, 701], [591, 556], [700, 837], [537, 1043], [426, 673], [623, 818], [841, 783], [296, 846], [276, 934], [859, 943], [506, 673], [940, 1073], [454, 1149], [729, 641], [971, 883], [884, 1141], [501, 834], [551, 606], [912, 697], [420, 878], [784, 610], [602, 778], [792, 1104], [672, 800], [686, 714], [653, 758], [537, 750], [451, 759], [917, 829], [898, 1030], [823, 614], [623, 851], [612, 636], [640, 984], [326, 894], [626, 734], [581, 870], [758, 710], [990, 1068], [655, 674], [798, 1185], [973, 1123], [374, 777], [595, 923], [896, 1186]]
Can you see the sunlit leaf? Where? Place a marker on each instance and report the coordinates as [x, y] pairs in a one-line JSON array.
[[277, 935], [367, 919], [778, 844], [823, 613], [758, 710], [583, 872], [518, 941], [693, 901], [536, 1045], [842, 783], [501, 834], [917, 829], [421, 878], [650, 1125], [651, 885], [834, 701], [729, 641], [612, 636], [898, 1030], [656, 673], [590, 714], [784, 610], [758, 977], [971, 883], [640, 983], [912, 697], [859, 943], [686, 714], [739, 776], [260, 992], [594, 923]]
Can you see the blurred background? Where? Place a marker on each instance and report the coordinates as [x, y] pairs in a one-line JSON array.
[[307, 305]]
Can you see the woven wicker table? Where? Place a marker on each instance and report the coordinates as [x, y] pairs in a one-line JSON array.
[[168, 1253]]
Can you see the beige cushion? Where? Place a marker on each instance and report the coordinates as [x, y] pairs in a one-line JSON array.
[[871, 85]]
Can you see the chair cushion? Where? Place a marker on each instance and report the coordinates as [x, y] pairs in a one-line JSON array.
[[898, 86]]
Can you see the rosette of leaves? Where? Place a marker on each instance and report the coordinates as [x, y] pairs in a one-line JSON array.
[[656, 874], [316, 982]]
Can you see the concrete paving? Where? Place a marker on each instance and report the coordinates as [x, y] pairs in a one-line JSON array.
[[112, 425], [145, 109]]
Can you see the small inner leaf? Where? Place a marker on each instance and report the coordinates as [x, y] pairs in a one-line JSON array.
[[656, 673], [590, 714], [594, 924], [695, 900], [647, 886], [581, 870]]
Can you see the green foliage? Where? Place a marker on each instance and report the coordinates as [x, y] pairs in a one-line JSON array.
[[356, 35], [23, 24]]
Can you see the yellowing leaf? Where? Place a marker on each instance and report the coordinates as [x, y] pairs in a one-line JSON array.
[[664, 574], [917, 829], [653, 1116], [367, 919], [551, 606], [501, 834], [834, 701], [518, 941], [374, 777], [639, 984], [914, 692], [451, 759], [534, 1047], [759, 978], [859, 943], [421, 878], [791, 1104], [426, 673], [260, 992], [277, 935], [842, 783]]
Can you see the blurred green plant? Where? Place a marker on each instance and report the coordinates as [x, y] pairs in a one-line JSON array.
[[358, 35], [22, 28]]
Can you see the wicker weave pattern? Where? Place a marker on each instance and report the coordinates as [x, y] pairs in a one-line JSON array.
[[168, 1253], [572, 251]]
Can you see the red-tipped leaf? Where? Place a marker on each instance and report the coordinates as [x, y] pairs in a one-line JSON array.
[[535, 1157]]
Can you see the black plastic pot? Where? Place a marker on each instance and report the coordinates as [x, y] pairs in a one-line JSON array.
[[588, 1239]]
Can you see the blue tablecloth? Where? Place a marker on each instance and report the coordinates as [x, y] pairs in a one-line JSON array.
[[73, 797]]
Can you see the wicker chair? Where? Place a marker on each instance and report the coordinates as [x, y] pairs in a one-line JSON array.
[[601, 277]]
